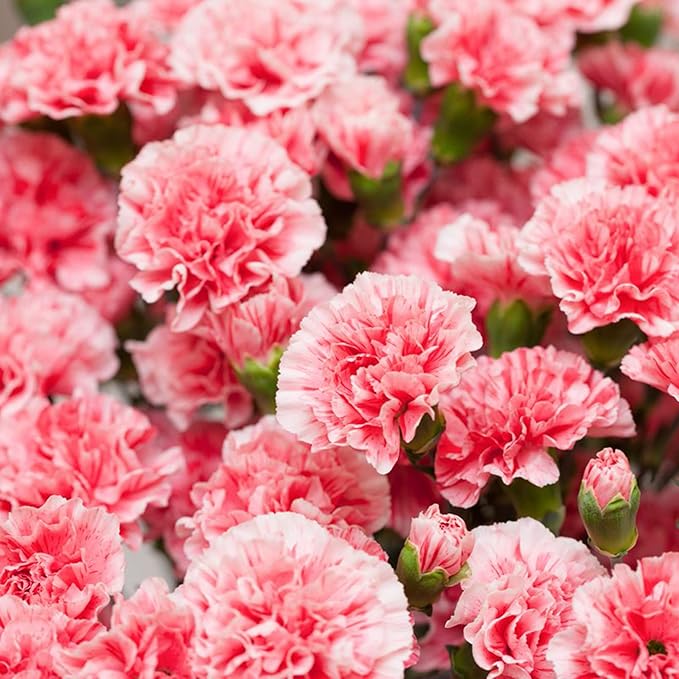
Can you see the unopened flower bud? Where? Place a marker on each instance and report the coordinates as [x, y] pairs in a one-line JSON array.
[[260, 379], [434, 556], [608, 502]]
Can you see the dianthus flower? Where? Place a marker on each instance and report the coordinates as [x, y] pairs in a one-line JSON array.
[[519, 595], [626, 625], [265, 469], [87, 60], [508, 412], [610, 254], [280, 53], [367, 366], [655, 362], [280, 596], [214, 212]]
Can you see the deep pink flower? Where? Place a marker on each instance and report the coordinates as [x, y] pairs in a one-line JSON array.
[[280, 596], [62, 555], [185, 371], [610, 254], [655, 362], [442, 541], [149, 637], [87, 60], [56, 211], [214, 212], [89, 447], [265, 469], [280, 53], [519, 596], [507, 412], [607, 475], [626, 625], [31, 636], [366, 367]]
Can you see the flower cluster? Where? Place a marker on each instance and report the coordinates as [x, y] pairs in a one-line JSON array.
[[355, 323]]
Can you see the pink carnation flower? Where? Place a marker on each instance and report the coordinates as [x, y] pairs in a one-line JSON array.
[[163, 14], [476, 46], [280, 54], [265, 469], [655, 362], [610, 254], [623, 626], [149, 636], [87, 60], [519, 595], [32, 636], [185, 371], [366, 367], [56, 211], [607, 475], [115, 300], [250, 216], [507, 413], [642, 149], [90, 447], [280, 596], [62, 555], [587, 16]]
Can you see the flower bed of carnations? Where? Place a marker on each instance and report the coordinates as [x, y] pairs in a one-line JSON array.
[[362, 314]]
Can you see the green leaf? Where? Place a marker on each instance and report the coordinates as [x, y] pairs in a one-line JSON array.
[[463, 663], [36, 11], [643, 26]]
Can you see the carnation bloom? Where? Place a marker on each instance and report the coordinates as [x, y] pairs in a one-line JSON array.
[[89, 447], [280, 596], [280, 53], [607, 475], [63, 555], [32, 635], [87, 60], [265, 469], [165, 14], [507, 412], [116, 299], [519, 595], [626, 625], [56, 211], [587, 16], [610, 254], [655, 362], [367, 366], [149, 637], [214, 212], [476, 46], [185, 371], [642, 149]]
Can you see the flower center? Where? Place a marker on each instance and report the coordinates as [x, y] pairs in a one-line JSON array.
[[656, 647]]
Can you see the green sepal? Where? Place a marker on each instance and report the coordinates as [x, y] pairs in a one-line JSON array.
[[261, 380], [606, 346], [463, 664], [643, 26], [514, 324], [422, 589], [416, 74], [426, 437], [36, 11], [381, 200], [462, 123], [613, 529], [541, 503]]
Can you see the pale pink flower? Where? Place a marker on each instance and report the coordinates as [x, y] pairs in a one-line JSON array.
[[655, 362], [519, 595], [185, 371], [442, 541], [265, 469], [56, 211], [92, 448], [623, 626], [293, 128], [366, 367], [610, 254], [31, 636], [280, 53], [607, 475], [163, 14], [280, 596], [115, 300], [507, 412], [635, 76], [62, 555], [586, 16], [87, 60], [149, 637], [261, 325], [214, 212], [476, 46], [642, 149]]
